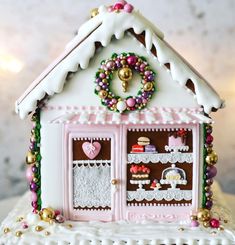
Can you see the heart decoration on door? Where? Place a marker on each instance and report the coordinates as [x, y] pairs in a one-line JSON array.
[[91, 149]]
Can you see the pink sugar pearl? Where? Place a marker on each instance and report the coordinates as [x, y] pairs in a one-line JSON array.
[[194, 223], [128, 8], [118, 6], [34, 197], [130, 102], [214, 223], [29, 174]]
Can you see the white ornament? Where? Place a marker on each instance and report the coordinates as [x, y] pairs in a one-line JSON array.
[[121, 106]]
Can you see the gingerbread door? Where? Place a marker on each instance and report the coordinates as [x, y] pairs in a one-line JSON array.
[[92, 173]]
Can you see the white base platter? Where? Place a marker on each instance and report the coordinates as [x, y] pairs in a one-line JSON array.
[[145, 233]]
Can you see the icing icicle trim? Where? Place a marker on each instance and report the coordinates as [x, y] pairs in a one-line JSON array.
[[101, 29]]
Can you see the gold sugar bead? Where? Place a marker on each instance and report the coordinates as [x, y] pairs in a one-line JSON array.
[[30, 158], [94, 12], [148, 86], [19, 233], [206, 224], [103, 94], [203, 215], [181, 229], [221, 228], [47, 233], [212, 158], [6, 230], [38, 228], [125, 74], [70, 225]]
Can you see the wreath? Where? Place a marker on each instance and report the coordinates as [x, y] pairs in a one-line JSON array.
[[125, 64]]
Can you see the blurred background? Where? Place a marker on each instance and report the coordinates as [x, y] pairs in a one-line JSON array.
[[33, 33]]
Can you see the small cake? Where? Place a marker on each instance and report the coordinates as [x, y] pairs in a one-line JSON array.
[[173, 175], [139, 172], [150, 148], [137, 149]]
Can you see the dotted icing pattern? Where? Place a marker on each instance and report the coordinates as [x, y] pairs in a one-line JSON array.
[[125, 64]]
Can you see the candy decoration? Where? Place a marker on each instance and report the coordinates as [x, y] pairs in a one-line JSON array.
[[47, 214], [91, 149], [33, 159], [194, 223], [214, 223], [121, 5], [60, 218], [125, 64], [19, 233], [203, 215], [94, 12], [6, 230], [210, 171]]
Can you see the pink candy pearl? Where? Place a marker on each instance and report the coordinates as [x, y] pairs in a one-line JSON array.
[[128, 8], [214, 223], [34, 197], [110, 8], [194, 223], [110, 64], [114, 101], [130, 102], [144, 101], [118, 6], [131, 60], [29, 174], [102, 75], [25, 225], [57, 212]]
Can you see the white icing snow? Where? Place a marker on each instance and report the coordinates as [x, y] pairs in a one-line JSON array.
[[101, 29], [109, 233]]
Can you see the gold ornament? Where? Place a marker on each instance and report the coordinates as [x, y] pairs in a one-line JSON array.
[[30, 158], [207, 188], [47, 233], [103, 94], [206, 224], [47, 214], [225, 221], [209, 149], [94, 12], [203, 215], [148, 86], [123, 62], [125, 74], [19, 233], [38, 228], [212, 158], [6, 230], [124, 86]]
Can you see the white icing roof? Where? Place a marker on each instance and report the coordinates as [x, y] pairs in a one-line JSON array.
[[99, 115], [101, 29]]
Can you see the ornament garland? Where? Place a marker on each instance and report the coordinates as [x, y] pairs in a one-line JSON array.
[[125, 64], [33, 159]]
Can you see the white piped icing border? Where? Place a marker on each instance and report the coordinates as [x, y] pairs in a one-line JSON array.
[[172, 157], [101, 29]]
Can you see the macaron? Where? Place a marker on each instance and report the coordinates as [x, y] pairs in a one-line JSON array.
[[143, 141]]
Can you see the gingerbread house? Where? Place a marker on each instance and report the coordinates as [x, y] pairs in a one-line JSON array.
[[121, 126]]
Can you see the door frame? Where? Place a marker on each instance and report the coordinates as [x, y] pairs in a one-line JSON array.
[[75, 131]]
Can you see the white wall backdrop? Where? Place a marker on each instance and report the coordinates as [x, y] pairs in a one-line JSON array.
[[33, 33]]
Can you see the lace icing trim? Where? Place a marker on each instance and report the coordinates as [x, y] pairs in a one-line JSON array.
[[160, 157], [92, 187], [159, 195]]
